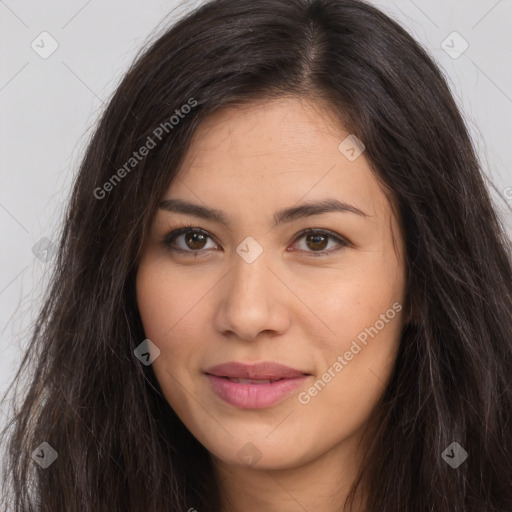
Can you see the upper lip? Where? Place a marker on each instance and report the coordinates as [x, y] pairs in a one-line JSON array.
[[263, 371]]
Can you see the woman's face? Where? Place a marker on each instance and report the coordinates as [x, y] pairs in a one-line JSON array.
[[250, 287]]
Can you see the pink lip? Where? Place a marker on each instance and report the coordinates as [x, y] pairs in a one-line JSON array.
[[254, 395], [264, 370]]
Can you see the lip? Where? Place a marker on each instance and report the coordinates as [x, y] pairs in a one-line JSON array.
[[246, 395], [263, 370]]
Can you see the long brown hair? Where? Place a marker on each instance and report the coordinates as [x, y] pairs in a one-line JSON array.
[[120, 446]]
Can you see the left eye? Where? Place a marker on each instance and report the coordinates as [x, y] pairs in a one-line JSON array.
[[318, 239], [195, 240]]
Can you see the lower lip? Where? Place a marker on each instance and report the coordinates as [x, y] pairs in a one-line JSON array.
[[254, 396]]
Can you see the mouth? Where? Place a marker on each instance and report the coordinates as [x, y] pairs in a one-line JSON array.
[[254, 386], [263, 371], [251, 381]]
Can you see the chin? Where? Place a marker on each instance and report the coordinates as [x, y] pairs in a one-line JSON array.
[[264, 454]]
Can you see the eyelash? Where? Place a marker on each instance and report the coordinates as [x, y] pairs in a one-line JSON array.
[[172, 235]]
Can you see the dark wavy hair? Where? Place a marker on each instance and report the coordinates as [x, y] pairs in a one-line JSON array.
[[120, 445]]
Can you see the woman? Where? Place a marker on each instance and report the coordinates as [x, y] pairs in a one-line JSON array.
[[281, 284]]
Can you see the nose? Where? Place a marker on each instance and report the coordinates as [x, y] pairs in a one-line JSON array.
[[252, 300]]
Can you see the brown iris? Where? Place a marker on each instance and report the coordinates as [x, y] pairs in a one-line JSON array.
[[317, 241], [191, 239]]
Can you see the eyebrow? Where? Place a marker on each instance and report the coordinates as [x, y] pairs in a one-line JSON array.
[[280, 217]]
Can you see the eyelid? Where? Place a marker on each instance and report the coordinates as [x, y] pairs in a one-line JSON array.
[[178, 231], [342, 241]]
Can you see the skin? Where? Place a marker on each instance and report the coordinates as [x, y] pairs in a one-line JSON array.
[[287, 306]]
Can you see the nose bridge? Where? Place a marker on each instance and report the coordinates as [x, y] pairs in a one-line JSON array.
[[250, 288], [250, 302]]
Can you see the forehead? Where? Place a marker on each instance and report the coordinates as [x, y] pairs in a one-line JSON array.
[[279, 152], [264, 131]]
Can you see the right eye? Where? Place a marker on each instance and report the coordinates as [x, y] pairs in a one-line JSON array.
[[186, 240]]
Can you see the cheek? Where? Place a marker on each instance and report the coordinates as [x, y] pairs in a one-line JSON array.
[[363, 348], [345, 303], [169, 316], [171, 321], [357, 361], [167, 301], [361, 326]]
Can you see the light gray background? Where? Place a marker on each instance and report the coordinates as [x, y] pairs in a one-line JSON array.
[[49, 106]]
